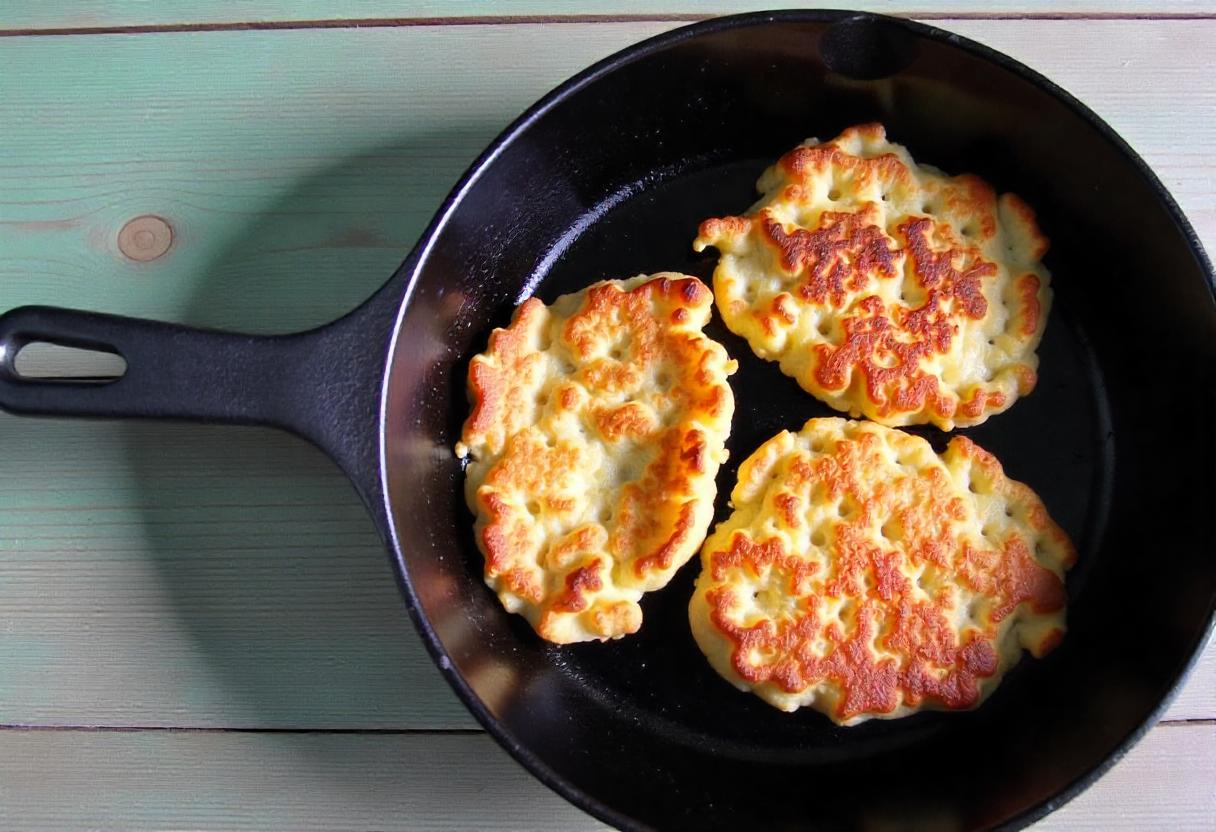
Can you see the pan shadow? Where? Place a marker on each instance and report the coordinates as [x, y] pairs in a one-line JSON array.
[[272, 563]]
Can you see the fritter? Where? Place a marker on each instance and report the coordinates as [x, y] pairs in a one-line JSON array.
[[596, 432], [865, 576], [886, 288]]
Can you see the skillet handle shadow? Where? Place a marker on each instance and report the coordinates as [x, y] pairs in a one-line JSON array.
[[322, 384]]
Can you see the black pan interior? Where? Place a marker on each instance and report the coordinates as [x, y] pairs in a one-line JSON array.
[[611, 179]]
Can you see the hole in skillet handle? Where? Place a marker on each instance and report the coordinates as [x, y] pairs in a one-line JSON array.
[[36, 355], [866, 48], [49, 361]]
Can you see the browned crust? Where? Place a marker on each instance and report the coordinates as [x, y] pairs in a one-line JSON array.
[[925, 657], [850, 259], [611, 373]]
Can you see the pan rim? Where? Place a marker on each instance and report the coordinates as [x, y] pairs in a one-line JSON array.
[[412, 267]]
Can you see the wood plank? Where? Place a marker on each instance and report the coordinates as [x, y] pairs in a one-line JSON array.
[[289, 159], [1130, 75], [296, 168], [233, 781], [1197, 699], [67, 780], [154, 575], [169, 575], [164, 575], [83, 14]]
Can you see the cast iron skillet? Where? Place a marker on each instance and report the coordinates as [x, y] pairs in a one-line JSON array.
[[608, 176]]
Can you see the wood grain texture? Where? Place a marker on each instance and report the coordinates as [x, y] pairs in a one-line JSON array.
[[85, 14], [162, 575], [73, 780], [170, 575], [156, 575]]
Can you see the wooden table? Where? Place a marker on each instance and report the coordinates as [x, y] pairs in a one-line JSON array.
[[198, 626]]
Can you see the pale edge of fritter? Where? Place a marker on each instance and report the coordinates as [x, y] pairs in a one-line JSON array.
[[596, 432], [761, 573], [861, 178]]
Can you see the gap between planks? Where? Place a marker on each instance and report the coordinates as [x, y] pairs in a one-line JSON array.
[[511, 20]]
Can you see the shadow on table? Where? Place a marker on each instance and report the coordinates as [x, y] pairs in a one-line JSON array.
[[272, 563]]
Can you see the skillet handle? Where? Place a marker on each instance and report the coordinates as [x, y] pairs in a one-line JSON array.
[[173, 372], [323, 385]]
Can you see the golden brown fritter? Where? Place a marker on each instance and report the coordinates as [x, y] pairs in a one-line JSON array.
[[884, 287], [864, 576], [597, 428]]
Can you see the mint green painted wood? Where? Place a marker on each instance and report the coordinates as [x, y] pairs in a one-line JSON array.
[[16, 14], [310, 157], [75, 780], [281, 223], [172, 575], [223, 781], [154, 575], [296, 167], [39, 359]]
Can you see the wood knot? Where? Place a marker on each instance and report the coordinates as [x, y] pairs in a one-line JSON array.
[[145, 238]]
